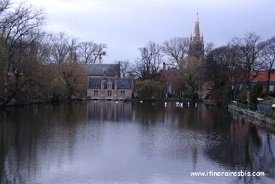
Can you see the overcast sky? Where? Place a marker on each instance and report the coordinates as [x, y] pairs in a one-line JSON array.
[[126, 25]]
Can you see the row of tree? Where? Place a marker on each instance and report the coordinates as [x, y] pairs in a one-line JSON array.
[[166, 65], [231, 69], [234, 67], [39, 65]]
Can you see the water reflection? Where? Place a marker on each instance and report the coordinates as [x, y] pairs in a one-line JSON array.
[[247, 148], [31, 137], [119, 142], [109, 111]]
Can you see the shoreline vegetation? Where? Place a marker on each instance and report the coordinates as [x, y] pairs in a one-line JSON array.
[[81, 99], [42, 67]]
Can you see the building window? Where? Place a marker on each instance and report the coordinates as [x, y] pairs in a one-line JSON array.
[[102, 84], [122, 93], [271, 87], [95, 92], [109, 84], [109, 93]]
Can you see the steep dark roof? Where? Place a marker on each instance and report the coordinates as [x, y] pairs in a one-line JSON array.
[[111, 70]]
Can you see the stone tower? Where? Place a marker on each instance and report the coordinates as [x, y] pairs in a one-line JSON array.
[[196, 47]]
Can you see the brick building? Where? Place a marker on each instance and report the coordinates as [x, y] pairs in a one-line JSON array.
[[105, 83]]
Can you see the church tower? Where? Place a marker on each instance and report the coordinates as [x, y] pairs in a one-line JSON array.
[[196, 47]]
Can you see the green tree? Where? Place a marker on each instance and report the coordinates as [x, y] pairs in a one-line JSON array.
[[258, 91], [19, 30], [149, 89], [222, 67], [251, 64], [191, 69], [73, 76]]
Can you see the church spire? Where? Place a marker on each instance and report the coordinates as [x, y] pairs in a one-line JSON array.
[[196, 47], [197, 27]]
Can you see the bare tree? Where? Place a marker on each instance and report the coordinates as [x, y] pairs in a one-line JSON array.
[[148, 65], [268, 56], [33, 63], [16, 26], [4, 5], [223, 68], [72, 50], [44, 48], [251, 64], [208, 48], [176, 49], [72, 75], [125, 67], [59, 48], [90, 52]]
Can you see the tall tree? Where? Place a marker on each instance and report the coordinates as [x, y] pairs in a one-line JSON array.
[[74, 78], [72, 49], [44, 52], [223, 68], [191, 72], [71, 73], [176, 49], [251, 64], [19, 28], [59, 48], [208, 48], [268, 56], [149, 89], [90, 52], [149, 63], [125, 67], [4, 5]]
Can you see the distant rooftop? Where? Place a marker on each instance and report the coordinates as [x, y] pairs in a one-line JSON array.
[[110, 70], [262, 76]]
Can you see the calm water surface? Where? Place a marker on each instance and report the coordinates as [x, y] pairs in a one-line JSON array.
[[108, 142]]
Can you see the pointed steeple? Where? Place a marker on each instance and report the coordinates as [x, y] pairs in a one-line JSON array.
[[197, 27], [196, 47]]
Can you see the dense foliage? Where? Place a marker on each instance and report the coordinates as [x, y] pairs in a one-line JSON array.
[[39, 66], [35, 65]]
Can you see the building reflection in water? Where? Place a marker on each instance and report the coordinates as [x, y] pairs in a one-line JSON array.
[[42, 139], [109, 110], [228, 140]]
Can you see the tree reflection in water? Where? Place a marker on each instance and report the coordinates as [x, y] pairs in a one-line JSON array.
[[247, 148], [29, 135], [43, 138]]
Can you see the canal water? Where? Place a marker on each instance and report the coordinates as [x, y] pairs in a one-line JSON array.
[[109, 142]]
